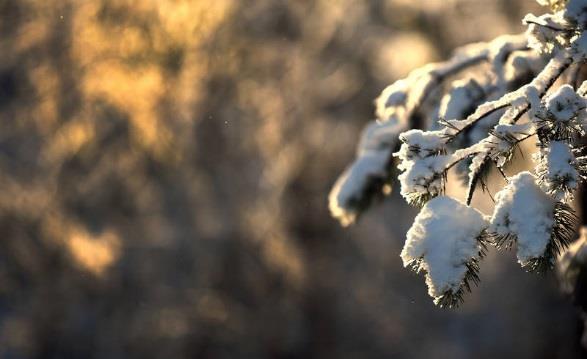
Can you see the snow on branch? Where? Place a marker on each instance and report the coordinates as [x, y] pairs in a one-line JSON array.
[[540, 226], [369, 176], [561, 116], [446, 241], [399, 108], [557, 170], [471, 113]]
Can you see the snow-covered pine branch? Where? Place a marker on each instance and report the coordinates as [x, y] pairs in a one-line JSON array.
[[407, 104], [470, 114], [447, 241], [537, 223]]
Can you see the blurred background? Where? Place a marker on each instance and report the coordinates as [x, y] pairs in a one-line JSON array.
[[164, 169]]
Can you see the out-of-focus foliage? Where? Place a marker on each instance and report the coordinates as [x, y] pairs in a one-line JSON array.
[[163, 166]]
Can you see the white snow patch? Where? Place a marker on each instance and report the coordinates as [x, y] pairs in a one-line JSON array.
[[423, 163], [523, 209], [392, 100], [565, 104], [373, 155], [463, 96], [423, 177], [444, 239], [547, 32], [420, 144], [554, 164]]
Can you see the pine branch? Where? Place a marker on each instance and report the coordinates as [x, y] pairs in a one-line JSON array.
[[475, 178], [453, 299], [562, 235], [542, 82], [563, 232]]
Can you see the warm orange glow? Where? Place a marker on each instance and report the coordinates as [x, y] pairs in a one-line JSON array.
[[93, 253]]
